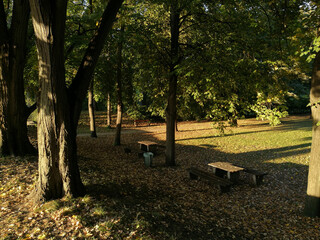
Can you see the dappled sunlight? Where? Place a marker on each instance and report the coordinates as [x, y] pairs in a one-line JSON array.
[[129, 200]]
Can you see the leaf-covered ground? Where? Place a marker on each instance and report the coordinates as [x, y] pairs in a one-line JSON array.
[[126, 200]]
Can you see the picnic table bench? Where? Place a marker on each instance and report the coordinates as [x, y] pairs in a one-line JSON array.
[[223, 183], [232, 172], [257, 176], [223, 169]]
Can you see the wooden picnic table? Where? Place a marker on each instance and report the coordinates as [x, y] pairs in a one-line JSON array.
[[222, 169], [146, 145]]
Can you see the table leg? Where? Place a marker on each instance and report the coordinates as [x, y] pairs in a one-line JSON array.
[[233, 176]]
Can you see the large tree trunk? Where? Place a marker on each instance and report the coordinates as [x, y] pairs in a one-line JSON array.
[[14, 112], [18, 113], [108, 110], [59, 108], [91, 111], [171, 110], [117, 139], [58, 169], [312, 205]]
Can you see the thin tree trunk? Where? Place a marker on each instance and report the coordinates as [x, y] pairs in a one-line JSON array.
[[177, 130], [4, 61], [90, 96], [171, 110], [108, 110], [312, 205], [91, 111], [79, 86], [117, 140], [4, 75]]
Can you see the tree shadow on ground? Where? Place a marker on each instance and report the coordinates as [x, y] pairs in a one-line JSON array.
[[167, 204], [154, 210]]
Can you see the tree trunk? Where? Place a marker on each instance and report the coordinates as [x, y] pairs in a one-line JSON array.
[[14, 112], [177, 130], [312, 205], [90, 97], [108, 110], [58, 169], [79, 86], [117, 139], [171, 110], [59, 109], [4, 62], [19, 143], [4, 76], [91, 111]]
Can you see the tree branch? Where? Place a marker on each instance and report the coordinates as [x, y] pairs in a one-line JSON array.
[[79, 86], [165, 57], [30, 109]]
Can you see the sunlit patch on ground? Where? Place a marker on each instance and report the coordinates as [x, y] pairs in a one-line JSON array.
[[127, 200]]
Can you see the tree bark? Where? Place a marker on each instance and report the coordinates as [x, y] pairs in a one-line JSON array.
[[312, 204], [117, 139], [58, 169], [59, 108], [90, 96], [4, 62], [171, 110], [108, 110], [14, 112], [19, 143], [91, 111], [4, 75]]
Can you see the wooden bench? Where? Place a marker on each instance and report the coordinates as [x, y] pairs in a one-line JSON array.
[[224, 184], [137, 122], [257, 176], [232, 172]]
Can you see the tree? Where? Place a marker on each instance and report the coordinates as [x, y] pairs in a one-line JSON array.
[[91, 109], [91, 102], [108, 110], [117, 140], [171, 110], [312, 205], [59, 106], [13, 109]]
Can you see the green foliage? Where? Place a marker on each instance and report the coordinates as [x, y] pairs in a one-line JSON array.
[[270, 109], [227, 53], [134, 113]]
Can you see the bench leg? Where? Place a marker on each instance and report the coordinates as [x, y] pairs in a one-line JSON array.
[[193, 176], [257, 179], [234, 177]]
